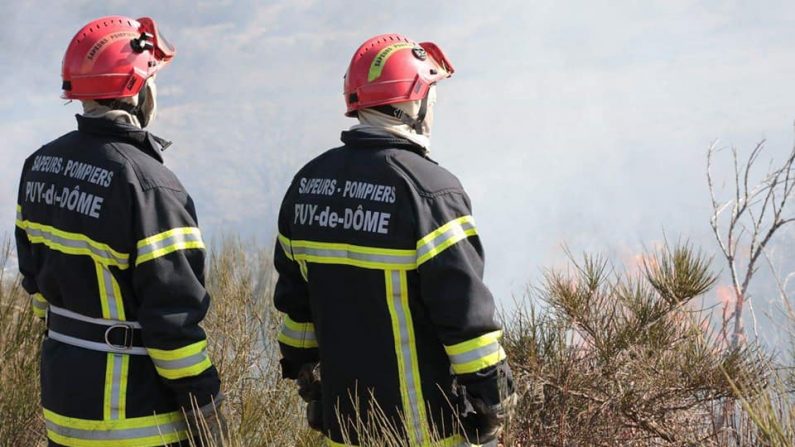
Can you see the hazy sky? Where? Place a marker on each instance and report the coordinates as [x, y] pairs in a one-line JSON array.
[[581, 122]]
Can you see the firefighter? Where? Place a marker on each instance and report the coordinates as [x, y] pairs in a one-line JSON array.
[[389, 328], [110, 251]]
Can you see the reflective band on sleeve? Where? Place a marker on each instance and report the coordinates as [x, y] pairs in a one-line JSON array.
[[444, 237], [473, 355], [285, 244], [19, 214], [168, 242], [149, 431], [39, 305], [74, 244], [187, 361], [298, 335], [354, 255], [406, 353]]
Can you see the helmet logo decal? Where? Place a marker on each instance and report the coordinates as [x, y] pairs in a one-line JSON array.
[[111, 38], [100, 46], [419, 53], [380, 59]]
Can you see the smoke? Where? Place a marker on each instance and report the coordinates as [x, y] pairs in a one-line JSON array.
[[586, 123]]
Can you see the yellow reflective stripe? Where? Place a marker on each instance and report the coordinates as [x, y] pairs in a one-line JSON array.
[[73, 244], [177, 354], [304, 269], [298, 335], [296, 326], [396, 330], [106, 404], [406, 353], [149, 431], [473, 355], [480, 363], [479, 342], [125, 372], [422, 425], [153, 247], [354, 255], [187, 361], [353, 248], [116, 365], [284, 242], [444, 237], [188, 371], [115, 401], [39, 305], [109, 294]]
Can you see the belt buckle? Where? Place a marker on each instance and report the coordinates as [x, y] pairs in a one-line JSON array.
[[127, 337]]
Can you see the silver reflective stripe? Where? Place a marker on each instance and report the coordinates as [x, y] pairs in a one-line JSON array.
[[195, 359], [104, 255], [475, 354], [397, 260], [298, 335], [174, 239], [115, 387], [92, 345], [113, 398], [456, 230], [101, 321], [405, 352], [117, 435], [110, 293]]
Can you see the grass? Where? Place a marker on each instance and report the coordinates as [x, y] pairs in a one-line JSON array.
[[608, 358]]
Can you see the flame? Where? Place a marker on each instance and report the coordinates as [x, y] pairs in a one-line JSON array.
[[726, 296]]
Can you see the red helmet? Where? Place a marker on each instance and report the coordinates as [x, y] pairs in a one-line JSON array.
[[112, 57], [391, 68]]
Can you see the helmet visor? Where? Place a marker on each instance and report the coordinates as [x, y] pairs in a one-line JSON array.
[[438, 56], [163, 49]]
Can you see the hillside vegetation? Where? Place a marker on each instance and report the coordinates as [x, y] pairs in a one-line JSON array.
[[602, 357]]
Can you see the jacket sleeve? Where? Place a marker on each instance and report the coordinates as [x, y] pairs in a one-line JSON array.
[[450, 266], [168, 278], [297, 340], [25, 259]]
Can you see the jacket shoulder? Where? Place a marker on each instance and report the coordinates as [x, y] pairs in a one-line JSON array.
[[320, 163], [426, 176], [149, 172]]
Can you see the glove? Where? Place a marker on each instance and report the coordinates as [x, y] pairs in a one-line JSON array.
[[482, 423], [208, 423], [484, 405], [310, 391]]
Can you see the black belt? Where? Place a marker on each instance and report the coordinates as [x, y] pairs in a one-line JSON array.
[[97, 334]]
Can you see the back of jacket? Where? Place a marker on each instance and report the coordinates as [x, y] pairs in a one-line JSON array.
[[380, 275], [105, 233]]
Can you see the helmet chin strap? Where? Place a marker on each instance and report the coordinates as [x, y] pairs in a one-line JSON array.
[[405, 118]]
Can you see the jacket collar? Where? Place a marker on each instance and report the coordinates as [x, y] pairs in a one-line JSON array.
[[373, 138], [143, 140]]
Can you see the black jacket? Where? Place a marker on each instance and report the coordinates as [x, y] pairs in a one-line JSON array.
[[110, 251], [380, 275]]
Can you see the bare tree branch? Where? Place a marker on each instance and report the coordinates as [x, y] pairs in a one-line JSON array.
[[756, 214]]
